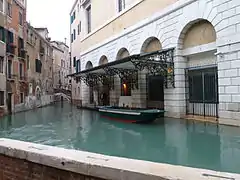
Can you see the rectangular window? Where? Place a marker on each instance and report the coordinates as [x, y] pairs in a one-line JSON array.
[[21, 71], [2, 32], [38, 65], [73, 17], [20, 18], [1, 64], [71, 38], [28, 62], [121, 5], [74, 34], [1, 98], [10, 37], [78, 66], [74, 61], [1, 5], [203, 86], [21, 98], [9, 9], [80, 26], [89, 19], [9, 69], [21, 48]]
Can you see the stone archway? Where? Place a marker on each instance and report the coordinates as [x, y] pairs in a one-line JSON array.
[[89, 65], [200, 68], [154, 90], [103, 93], [122, 53], [103, 60], [150, 45], [196, 33]]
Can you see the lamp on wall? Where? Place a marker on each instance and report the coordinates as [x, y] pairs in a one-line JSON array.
[[125, 88]]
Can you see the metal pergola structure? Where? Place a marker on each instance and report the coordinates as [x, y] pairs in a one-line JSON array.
[[155, 63]]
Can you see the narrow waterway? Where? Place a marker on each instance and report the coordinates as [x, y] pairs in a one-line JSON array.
[[172, 141]]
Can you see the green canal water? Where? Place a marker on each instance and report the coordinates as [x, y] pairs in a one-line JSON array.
[[173, 141]]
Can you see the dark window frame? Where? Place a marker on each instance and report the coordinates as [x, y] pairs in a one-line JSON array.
[[121, 5], [1, 64], [198, 81], [2, 98]]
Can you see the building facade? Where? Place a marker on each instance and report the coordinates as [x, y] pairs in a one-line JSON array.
[[61, 65], [204, 37], [13, 34], [3, 102], [39, 67]]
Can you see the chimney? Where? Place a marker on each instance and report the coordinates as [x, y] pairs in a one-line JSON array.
[[65, 40]]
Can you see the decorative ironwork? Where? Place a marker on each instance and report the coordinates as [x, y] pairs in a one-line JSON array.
[[127, 75], [159, 63]]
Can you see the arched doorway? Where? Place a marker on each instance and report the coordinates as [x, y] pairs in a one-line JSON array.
[[103, 92], [201, 72], [155, 83], [89, 65]]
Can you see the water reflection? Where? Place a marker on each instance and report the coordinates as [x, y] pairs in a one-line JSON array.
[[172, 141]]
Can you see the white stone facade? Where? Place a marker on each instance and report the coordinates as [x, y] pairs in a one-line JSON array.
[[169, 26]]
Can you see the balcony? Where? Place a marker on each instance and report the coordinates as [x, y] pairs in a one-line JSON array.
[[21, 53], [11, 49], [23, 78], [11, 77]]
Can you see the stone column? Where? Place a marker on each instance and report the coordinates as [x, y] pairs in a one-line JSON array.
[[175, 98]]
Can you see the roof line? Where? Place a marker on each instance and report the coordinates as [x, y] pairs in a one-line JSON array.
[[73, 6], [123, 60]]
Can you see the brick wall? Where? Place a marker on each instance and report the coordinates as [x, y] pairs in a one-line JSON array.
[[12, 169]]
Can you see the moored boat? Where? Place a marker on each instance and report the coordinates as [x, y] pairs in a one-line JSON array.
[[130, 115]]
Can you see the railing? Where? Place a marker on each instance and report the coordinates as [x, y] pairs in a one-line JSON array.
[[11, 76], [22, 78], [202, 92]]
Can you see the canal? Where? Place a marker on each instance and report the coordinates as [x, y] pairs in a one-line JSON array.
[[173, 141]]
